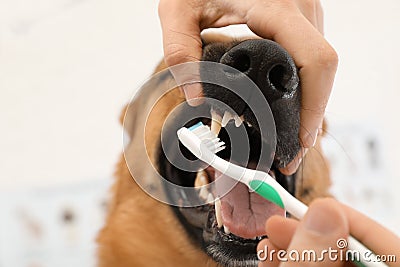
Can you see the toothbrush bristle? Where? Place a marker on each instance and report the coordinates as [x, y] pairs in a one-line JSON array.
[[209, 138]]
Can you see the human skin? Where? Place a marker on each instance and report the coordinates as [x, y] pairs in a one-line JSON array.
[[297, 25], [325, 222]]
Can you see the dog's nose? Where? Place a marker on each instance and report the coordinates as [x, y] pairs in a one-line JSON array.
[[267, 64]]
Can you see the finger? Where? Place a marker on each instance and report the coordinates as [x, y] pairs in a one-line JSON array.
[[312, 10], [181, 37], [308, 9], [181, 34], [295, 163], [321, 128], [373, 235], [320, 17], [280, 231], [315, 58], [187, 75], [265, 254], [319, 230]]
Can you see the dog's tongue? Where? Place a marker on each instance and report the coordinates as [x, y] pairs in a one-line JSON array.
[[244, 213]]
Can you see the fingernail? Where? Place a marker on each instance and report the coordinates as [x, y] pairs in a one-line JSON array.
[[310, 139], [294, 164], [291, 167], [319, 220], [320, 131]]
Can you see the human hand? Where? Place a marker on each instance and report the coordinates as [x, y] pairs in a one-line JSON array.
[[325, 222], [297, 25]]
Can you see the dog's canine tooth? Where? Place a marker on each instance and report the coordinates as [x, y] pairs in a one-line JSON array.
[[203, 193], [201, 179], [259, 237], [218, 215], [215, 122], [238, 120], [210, 198], [226, 118], [226, 230]]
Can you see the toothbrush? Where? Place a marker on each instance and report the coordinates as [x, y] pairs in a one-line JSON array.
[[204, 144]]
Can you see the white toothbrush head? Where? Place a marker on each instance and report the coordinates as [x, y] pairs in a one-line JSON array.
[[201, 137]]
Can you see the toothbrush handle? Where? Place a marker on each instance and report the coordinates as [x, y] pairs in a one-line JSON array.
[[364, 253], [278, 195]]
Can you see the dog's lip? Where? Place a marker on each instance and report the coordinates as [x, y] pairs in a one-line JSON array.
[[219, 235]]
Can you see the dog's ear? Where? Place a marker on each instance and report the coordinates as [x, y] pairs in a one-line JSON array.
[[133, 113], [128, 118]]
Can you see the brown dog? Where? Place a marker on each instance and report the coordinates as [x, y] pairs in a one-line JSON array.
[[141, 231]]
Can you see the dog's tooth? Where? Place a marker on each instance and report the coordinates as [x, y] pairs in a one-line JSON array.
[[215, 122], [248, 124], [210, 198], [238, 121], [203, 193], [226, 230], [200, 182], [226, 118], [218, 215], [259, 237], [201, 179]]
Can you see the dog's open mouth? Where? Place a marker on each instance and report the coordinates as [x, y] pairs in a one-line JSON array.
[[232, 222], [237, 210], [229, 227]]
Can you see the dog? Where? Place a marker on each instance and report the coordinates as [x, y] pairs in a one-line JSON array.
[[142, 231]]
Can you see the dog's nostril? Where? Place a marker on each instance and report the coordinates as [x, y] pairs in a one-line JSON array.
[[275, 77], [241, 62], [280, 79]]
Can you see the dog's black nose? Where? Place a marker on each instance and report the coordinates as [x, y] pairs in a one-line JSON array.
[[271, 68], [267, 64]]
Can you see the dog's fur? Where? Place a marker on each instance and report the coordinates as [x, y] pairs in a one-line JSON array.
[[141, 231]]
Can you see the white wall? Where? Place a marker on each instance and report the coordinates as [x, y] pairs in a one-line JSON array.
[[67, 67], [364, 105]]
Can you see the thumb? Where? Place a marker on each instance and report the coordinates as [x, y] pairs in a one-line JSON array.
[[182, 44], [315, 240]]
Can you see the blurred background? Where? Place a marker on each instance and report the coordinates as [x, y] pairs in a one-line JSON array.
[[67, 67]]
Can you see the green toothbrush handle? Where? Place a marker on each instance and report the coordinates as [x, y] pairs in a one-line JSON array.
[[266, 191]]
